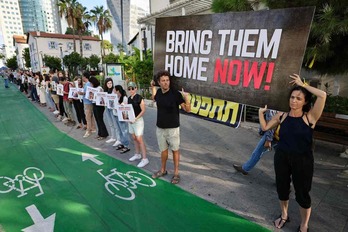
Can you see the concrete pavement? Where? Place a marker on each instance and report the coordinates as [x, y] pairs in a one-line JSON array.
[[208, 151]]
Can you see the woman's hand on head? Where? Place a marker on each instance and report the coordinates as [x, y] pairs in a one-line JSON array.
[[296, 80]]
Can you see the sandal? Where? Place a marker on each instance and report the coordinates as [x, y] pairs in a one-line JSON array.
[[175, 179], [119, 147], [101, 138], [282, 220], [159, 174], [124, 150]]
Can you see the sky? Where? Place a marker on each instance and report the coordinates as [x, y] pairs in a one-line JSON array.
[[90, 4]]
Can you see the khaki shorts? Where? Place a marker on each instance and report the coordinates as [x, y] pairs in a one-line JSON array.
[[137, 127], [168, 138], [55, 98]]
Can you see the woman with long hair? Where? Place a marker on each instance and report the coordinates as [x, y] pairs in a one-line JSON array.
[[109, 88], [121, 125], [98, 111], [293, 159]]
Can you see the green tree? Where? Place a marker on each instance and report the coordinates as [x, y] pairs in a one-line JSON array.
[[110, 58], [72, 62], [220, 6], [102, 20], [54, 63], [11, 63], [144, 69], [68, 9], [69, 31], [84, 63], [107, 45], [26, 56], [2, 56], [94, 60]]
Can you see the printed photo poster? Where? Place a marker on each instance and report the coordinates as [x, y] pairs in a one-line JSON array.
[[54, 86], [243, 57], [111, 101], [126, 113], [73, 93], [90, 93], [100, 98], [60, 89], [80, 96]]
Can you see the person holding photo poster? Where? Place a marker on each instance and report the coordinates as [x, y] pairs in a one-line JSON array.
[[136, 127], [122, 126], [78, 105], [98, 111], [87, 105], [109, 88], [168, 131], [293, 159]]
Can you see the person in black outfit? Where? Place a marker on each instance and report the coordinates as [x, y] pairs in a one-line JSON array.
[[79, 109], [98, 112], [293, 159], [168, 132]]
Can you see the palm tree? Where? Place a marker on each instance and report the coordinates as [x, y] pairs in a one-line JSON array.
[[82, 23], [68, 8], [102, 20]]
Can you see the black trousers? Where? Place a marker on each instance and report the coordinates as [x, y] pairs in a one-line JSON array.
[[299, 168], [80, 112], [61, 107], [98, 112]]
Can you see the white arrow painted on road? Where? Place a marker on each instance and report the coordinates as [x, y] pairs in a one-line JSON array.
[[40, 224], [86, 156]]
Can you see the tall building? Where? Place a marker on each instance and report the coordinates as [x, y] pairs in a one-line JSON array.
[[125, 14], [40, 15], [11, 24]]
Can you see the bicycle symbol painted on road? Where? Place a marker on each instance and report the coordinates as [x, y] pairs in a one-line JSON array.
[[126, 182], [23, 183]]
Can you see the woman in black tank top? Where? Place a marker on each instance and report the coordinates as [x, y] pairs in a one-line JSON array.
[[293, 159]]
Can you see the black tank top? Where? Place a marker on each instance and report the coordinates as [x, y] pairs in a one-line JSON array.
[[295, 136]]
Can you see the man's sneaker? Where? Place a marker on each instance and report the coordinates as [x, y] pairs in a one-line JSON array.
[[87, 134], [110, 140], [117, 143], [143, 163], [240, 169], [56, 112], [65, 119], [135, 157]]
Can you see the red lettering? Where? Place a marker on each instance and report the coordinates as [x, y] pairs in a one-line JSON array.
[[238, 65], [220, 72], [253, 74]]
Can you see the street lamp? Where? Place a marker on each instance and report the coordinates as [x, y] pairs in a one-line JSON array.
[[61, 54]]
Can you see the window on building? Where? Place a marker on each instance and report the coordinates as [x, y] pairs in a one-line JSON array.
[[52, 45], [87, 46], [70, 46]]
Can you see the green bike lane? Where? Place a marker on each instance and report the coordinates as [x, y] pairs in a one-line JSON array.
[[48, 184]]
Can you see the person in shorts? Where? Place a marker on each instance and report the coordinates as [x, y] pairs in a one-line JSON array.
[[168, 122]]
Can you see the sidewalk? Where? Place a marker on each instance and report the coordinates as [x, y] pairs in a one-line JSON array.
[[208, 151]]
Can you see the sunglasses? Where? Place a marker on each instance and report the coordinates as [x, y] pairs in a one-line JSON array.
[[131, 88]]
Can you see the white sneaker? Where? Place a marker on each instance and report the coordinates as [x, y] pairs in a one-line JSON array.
[[87, 134], [135, 157], [65, 119], [59, 118], [110, 140], [143, 163], [117, 143], [56, 112]]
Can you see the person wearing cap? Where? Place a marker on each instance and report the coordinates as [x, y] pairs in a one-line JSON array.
[[136, 128], [168, 131]]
